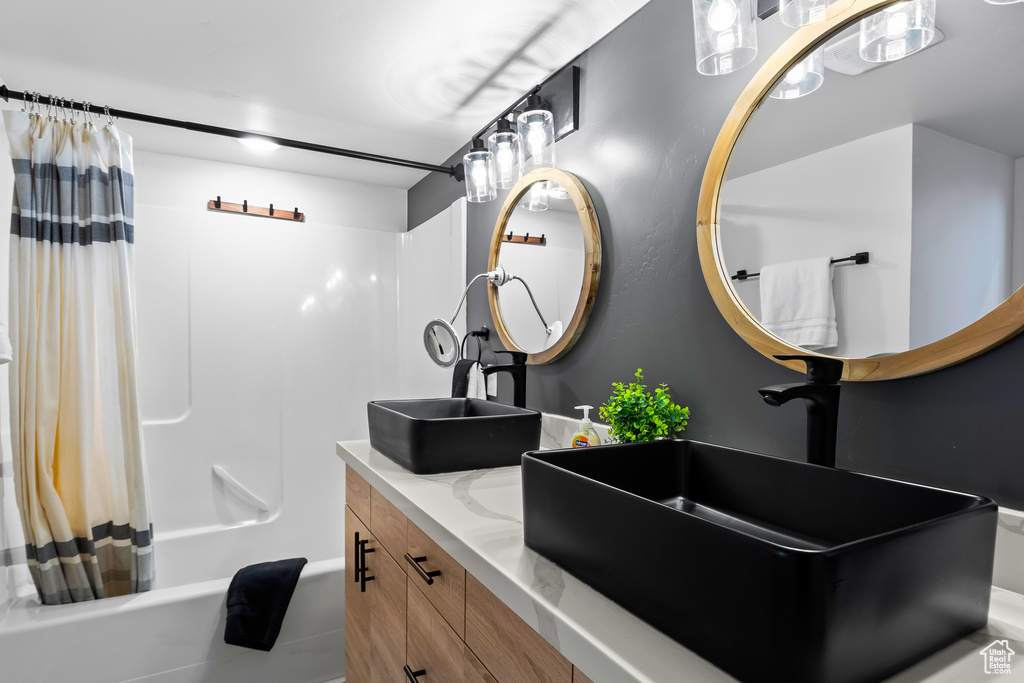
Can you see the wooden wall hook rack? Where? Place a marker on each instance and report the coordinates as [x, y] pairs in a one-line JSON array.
[[263, 212], [526, 239]]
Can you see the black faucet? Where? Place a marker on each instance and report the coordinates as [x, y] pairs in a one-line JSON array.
[[517, 369], [821, 394]]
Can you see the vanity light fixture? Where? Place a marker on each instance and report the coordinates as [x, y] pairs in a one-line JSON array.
[[479, 164], [725, 37], [803, 78], [897, 31], [504, 145], [796, 13], [537, 136]]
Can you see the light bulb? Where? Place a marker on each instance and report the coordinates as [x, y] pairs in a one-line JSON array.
[[722, 15], [479, 174], [535, 139], [796, 73], [896, 24], [505, 157]]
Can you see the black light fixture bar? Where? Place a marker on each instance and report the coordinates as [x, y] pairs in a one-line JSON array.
[[568, 79], [453, 171]]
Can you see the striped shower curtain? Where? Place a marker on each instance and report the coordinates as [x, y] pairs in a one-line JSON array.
[[76, 435]]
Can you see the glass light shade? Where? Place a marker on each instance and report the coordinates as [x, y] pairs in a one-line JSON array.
[[504, 145], [897, 31], [536, 198], [536, 138], [797, 13], [803, 78], [1003, 2], [479, 167], [725, 37]]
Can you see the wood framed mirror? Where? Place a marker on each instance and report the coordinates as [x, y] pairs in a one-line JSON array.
[[548, 241], [930, 126]]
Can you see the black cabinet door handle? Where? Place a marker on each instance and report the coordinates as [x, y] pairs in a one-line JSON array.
[[413, 675], [357, 559], [425, 575], [363, 552]]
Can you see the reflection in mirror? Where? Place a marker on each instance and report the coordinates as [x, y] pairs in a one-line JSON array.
[[553, 267], [919, 162]]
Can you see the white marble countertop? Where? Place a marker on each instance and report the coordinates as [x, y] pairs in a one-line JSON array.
[[477, 518]]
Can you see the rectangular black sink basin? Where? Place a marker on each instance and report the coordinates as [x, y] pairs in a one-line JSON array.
[[773, 570], [433, 435]]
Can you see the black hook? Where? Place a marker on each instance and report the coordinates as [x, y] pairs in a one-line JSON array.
[[245, 205], [271, 209], [296, 213], [3, 93], [217, 203], [543, 239]]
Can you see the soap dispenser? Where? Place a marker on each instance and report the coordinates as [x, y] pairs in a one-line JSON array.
[[585, 434]]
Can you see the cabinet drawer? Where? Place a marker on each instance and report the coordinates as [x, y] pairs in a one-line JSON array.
[[357, 494], [434, 648], [387, 619], [388, 524], [511, 650], [447, 590]]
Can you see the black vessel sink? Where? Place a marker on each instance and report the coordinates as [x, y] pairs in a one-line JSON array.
[[433, 435], [772, 570]]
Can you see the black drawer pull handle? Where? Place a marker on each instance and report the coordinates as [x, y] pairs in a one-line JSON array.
[[413, 675], [425, 575]]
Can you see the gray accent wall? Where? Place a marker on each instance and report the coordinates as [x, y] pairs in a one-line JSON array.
[[648, 121]]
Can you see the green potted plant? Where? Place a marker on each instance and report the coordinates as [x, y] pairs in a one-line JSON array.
[[634, 414]]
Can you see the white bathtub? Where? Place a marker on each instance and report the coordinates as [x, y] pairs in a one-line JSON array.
[[175, 633]]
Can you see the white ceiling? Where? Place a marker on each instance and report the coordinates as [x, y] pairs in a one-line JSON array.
[[405, 78], [968, 87]]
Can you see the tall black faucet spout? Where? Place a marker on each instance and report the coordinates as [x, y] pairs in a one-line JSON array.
[[821, 396]]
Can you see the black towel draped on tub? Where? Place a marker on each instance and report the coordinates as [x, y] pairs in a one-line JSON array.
[[258, 597]]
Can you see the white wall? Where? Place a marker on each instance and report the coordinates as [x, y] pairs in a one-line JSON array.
[[432, 277], [962, 234], [814, 206], [260, 341]]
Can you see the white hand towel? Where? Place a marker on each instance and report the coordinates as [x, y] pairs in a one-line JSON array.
[[797, 303], [477, 386]]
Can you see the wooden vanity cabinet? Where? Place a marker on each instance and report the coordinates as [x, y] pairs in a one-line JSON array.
[[421, 609], [375, 608]]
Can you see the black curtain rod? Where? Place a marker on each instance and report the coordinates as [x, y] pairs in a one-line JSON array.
[[453, 171], [859, 258]]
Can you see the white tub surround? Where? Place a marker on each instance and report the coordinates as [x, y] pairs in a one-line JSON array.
[[476, 517], [175, 635]]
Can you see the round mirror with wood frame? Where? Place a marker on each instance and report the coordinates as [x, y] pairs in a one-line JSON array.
[[999, 324], [591, 262]]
